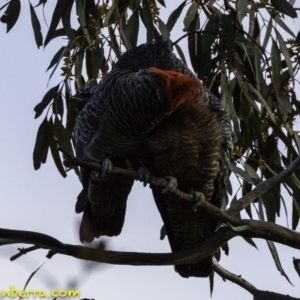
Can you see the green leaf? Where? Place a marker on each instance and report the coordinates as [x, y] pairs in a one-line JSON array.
[[58, 60], [96, 56], [295, 214], [285, 104], [276, 65], [110, 15], [157, 36], [193, 42], [72, 114], [270, 206], [57, 14], [230, 35], [30, 277], [190, 15], [278, 20], [298, 38], [58, 105], [148, 21], [175, 15], [212, 25], [180, 53], [66, 21], [113, 41], [78, 67], [284, 7], [81, 14], [241, 8], [90, 67], [276, 259], [252, 173], [240, 172], [133, 28], [124, 33], [162, 2], [50, 95], [250, 242], [56, 157], [41, 2], [163, 232], [121, 6], [268, 34], [286, 54], [36, 27], [62, 136], [11, 14], [211, 283], [57, 57], [42, 142], [163, 29]]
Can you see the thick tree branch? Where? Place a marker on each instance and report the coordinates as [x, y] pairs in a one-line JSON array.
[[241, 204], [253, 229]]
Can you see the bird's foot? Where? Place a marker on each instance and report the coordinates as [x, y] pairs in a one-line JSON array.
[[106, 168], [170, 185], [240, 228], [198, 198], [143, 175]]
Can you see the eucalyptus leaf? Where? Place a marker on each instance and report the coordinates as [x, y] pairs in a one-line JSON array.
[[163, 29], [56, 157], [36, 27], [11, 14], [190, 15], [241, 8], [148, 21], [49, 96], [276, 65], [279, 21], [276, 259], [56, 17], [81, 14], [175, 15], [286, 53], [284, 7], [133, 28], [57, 57], [42, 142]]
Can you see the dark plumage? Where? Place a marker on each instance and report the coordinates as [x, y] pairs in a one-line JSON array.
[[151, 111]]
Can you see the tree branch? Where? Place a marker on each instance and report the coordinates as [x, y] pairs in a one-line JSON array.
[[71, 161], [225, 274], [241, 204], [253, 229], [263, 187], [237, 279]]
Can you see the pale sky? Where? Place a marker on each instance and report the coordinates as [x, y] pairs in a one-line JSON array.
[[43, 201]]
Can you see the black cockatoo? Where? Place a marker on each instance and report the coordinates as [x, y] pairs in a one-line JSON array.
[[152, 112]]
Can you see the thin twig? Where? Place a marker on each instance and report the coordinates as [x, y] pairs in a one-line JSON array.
[[225, 274], [23, 251]]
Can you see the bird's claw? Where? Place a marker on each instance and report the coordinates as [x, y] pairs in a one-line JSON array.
[[143, 175], [106, 167], [198, 198], [170, 185]]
